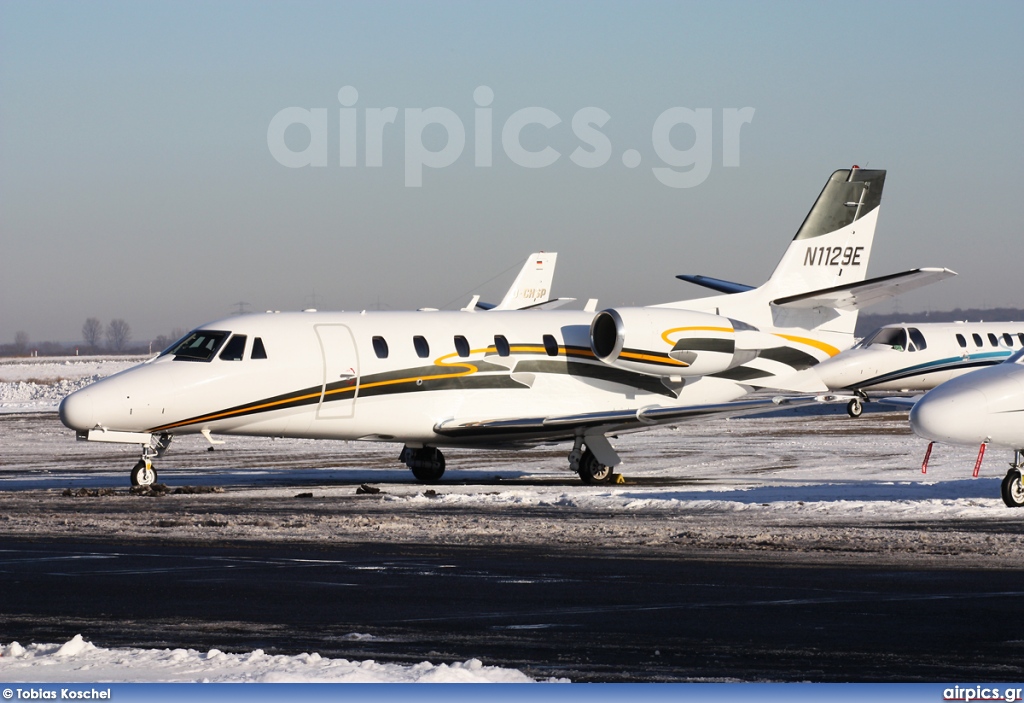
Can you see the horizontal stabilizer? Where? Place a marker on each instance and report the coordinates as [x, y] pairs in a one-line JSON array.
[[549, 304], [854, 296], [715, 283]]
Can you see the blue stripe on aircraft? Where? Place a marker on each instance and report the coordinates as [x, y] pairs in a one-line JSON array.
[[955, 362]]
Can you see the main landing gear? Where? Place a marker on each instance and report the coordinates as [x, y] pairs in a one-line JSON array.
[[426, 463], [1012, 488], [593, 471], [587, 465], [143, 473]]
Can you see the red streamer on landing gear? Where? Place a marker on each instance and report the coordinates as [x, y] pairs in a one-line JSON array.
[[927, 455], [977, 464]]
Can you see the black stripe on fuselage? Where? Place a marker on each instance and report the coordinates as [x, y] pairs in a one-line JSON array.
[[456, 373], [799, 360]]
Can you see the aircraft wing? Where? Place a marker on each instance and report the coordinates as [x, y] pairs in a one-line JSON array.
[[556, 426], [902, 401], [855, 296]]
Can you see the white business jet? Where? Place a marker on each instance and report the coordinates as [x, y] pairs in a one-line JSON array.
[[980, 408], [508, 378], [918, 357]]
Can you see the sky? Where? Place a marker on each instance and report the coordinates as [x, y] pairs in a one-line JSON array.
[[163, 162]]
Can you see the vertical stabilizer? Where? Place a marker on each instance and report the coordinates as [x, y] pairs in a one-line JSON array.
[[831, 248], [833, 245], [533, 284]]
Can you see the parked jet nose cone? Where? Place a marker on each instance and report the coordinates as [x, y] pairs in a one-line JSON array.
[[77, 411], [957, 417]]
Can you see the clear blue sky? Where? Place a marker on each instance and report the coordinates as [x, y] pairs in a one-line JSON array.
[[136, 179]]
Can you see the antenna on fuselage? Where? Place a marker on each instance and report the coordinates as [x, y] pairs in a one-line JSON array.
[[242, 305], [313, 299]]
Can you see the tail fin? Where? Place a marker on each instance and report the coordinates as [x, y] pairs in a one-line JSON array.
[[833, 245], [832, 248], [533, 284]]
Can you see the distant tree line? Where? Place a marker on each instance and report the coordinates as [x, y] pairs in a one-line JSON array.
[[114, 338]]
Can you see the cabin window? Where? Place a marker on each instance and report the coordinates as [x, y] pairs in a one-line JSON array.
[[234, 350], [380, 347], [917, 339], [422, 348], [258, 350], [200, 345], [1020, 336], [1008, 338], [961, 341], [461, 345], [550, 345], [977, 339], [992, 340], [501, 345]]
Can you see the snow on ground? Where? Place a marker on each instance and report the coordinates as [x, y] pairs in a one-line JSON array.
[[38, 384], [826, 488], [80, 661]]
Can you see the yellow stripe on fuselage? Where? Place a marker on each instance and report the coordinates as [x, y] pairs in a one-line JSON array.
[[827, 348]]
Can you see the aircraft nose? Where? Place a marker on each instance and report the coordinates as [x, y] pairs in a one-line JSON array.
[[954, 417], [837, 373], [77, 411]]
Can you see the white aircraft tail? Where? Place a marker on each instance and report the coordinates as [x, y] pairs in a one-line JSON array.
[[830, 252], [533, 284]]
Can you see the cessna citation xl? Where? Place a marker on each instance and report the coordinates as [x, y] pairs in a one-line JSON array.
[[980, 408], [918, 357], [507, 378]]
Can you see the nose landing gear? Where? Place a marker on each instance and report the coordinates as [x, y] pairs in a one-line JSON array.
[[143, 473], [1012, 489]]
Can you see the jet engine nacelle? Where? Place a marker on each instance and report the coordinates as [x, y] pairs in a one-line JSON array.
[[668, 342]]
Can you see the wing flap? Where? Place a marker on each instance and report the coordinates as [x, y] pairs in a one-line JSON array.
[[621, 420]]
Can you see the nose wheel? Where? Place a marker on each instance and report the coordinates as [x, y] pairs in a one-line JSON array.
[[143, 473]]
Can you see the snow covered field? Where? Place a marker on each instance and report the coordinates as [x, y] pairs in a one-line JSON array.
[[820, 489], [39, 383], [80, 661]]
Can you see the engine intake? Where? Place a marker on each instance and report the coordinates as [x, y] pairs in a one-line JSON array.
[[666, 342]]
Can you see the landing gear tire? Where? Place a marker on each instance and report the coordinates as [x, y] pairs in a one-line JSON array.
[[855, 408], [143, 474], [1012, 489], [593, 471], [426, 464]]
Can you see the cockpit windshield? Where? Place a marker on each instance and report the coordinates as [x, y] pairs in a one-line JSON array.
[[895, 337], [199, 345]]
